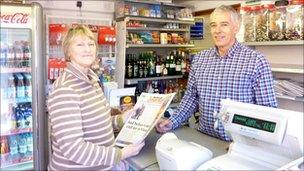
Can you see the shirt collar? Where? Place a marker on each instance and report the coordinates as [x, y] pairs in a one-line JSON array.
[[231, 51], [72, 69]]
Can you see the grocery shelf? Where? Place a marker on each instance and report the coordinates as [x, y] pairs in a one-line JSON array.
[[17, 131], [275, 43], [299, 99], [156, 29], [26, 165], [136, 80], [159, 45], [188, 21], [15, 70]]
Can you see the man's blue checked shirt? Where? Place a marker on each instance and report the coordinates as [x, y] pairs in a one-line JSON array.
[[243, 75]]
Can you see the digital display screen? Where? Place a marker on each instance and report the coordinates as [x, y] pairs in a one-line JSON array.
[[254, 123]]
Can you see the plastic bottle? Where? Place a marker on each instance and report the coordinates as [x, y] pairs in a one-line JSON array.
[[14, 156], [11, 88], [20, 119], [29, 143], [20, 95], [28, 86], [22, 145], [10, 56], [18, 54], [3, 51], [28, 117], [26, 53]]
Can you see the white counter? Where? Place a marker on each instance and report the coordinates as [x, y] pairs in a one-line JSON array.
[[146, 159]]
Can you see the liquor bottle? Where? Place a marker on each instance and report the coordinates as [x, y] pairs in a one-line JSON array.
[[151, 64], [178, 66], [158, 67], [172, 66], [135, 67], [141, 68], [129, 67], [184, 64], [167, 66]]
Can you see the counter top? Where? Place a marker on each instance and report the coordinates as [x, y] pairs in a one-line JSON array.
[[146, 159]]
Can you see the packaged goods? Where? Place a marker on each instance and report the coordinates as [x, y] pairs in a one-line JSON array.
[[249, 23], [277, 21], [295, 20]]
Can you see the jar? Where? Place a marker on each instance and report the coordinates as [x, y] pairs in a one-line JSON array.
[[249, 26], [294, 20], [277, 21], [261, 18]]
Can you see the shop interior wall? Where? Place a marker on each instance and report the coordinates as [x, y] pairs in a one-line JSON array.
[[90, 9]]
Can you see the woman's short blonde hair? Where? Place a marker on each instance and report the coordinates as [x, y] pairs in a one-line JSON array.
[[79, 30]]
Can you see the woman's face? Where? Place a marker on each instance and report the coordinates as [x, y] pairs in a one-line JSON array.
[[82, 51]]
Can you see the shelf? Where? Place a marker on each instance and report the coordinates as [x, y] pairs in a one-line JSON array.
[[17, 131], [24, 165], [15, 70], [159, 45], [188, 21], [275, 43], [156, 29], [300, 99], [285, 68], [136, 80]]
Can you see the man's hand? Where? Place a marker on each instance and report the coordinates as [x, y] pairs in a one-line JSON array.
[[163, 125]]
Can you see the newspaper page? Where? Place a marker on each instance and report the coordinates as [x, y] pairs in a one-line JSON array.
[[151, 108]]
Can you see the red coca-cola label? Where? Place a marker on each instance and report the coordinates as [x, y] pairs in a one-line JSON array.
[[17, 18]]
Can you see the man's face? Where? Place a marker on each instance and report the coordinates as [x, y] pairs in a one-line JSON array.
[[223, 29]]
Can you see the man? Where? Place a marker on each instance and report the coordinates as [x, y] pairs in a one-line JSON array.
[[229, 70]]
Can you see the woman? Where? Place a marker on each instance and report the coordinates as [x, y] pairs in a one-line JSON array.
[[82, 135]]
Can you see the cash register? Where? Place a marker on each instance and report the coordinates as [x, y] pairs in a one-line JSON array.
[[264, 138]]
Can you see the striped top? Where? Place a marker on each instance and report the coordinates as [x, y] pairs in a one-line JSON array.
[[243, 75], [82, 135]]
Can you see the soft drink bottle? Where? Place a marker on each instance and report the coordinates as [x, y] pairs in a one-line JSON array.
[[28, 117], [11, 88], [4, 151], [26, 53], [20, 120], [14, 156], [22, 146], [29, 143], [3, 50], [10, 56], [20, 87], [28, 86], [18, 54]]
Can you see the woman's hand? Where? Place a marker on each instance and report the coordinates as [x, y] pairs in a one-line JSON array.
[[130, 113], [131, 150]]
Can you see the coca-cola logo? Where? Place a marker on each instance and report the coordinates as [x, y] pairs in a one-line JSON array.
[[17, 18]]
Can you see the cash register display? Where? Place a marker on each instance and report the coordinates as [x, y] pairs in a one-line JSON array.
[[254, 123]]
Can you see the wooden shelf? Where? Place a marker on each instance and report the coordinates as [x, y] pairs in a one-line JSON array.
[[275, 43], [136, 80], [156, 29], [159, 45]]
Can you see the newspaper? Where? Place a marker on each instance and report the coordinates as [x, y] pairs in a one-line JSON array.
[[151, 108]]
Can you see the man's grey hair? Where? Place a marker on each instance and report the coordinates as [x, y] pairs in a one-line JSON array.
[[235, 16]]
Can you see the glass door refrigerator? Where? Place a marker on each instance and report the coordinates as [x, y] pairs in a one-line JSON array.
[[22, 70]]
